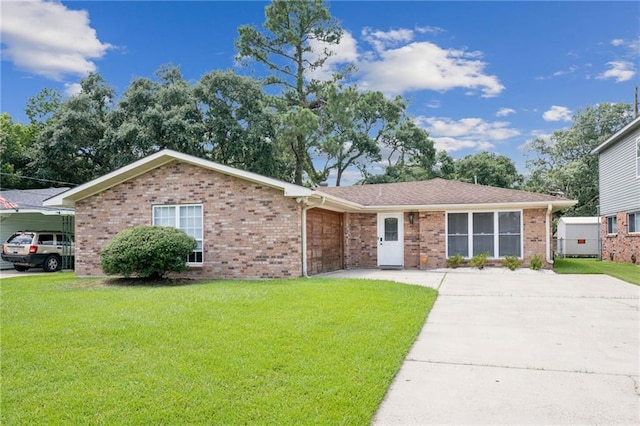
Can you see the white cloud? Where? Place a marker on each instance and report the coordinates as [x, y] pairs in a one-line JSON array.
[[343, 53], [427, 66], [617, 42], [429, 30], [434, 103], [381, 40], [396, 63], [503, 112], [72, 89], [453, 135], [619, 70], [47, 39], [557, 113]]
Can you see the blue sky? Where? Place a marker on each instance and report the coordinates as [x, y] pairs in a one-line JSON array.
[[480, 75]]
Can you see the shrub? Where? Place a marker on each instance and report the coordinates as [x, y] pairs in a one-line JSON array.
[[455, 261], [480, 260], [511, 262], [147, 251], [536, 262]]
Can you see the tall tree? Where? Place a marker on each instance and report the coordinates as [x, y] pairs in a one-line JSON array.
[[71, 145], [16, 140], [153, 115], [353, 125], [239, 127], [285, 47], [563, 164], [409, 153], [489, 169]]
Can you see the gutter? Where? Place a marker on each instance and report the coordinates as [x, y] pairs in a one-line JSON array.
[[307, 206], [547, 234]]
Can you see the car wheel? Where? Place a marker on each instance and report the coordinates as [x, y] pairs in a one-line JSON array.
[[20, 268], [51, 263]]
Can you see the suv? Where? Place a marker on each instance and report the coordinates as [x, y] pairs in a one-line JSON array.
[[34, 249]]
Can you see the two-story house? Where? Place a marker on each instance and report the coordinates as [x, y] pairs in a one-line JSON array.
[[620, 194]]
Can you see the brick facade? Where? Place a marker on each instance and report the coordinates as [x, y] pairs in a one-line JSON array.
[[622, 246], [425, 239], [250, 230]]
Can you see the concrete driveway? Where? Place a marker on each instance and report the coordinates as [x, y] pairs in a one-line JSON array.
[[529, 348]]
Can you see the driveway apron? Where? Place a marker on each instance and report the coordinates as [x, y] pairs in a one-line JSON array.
[[522, 349]]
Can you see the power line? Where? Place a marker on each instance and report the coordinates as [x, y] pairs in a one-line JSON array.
[[39, 179]]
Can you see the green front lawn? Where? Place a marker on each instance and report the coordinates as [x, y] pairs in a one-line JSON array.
[[624, 271], [321, 351]]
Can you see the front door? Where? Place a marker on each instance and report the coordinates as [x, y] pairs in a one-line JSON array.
[[390, 240]]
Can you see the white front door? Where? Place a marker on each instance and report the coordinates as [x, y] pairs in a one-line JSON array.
[[390, 240]]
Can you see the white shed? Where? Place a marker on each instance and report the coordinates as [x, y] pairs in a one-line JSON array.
[[578, 236]]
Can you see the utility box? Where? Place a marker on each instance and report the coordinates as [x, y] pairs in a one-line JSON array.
[[578, 236]]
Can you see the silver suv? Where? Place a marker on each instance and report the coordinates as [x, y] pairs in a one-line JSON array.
[[34, 249]]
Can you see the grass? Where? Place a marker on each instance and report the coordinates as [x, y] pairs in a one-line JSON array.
[[321, 351], [624, 271]]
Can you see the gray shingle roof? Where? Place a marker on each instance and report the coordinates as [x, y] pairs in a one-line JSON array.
[[433, 192], [30, 199]]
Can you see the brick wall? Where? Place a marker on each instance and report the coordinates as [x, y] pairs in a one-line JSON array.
[[250, 231], [621, 246], [432, 240], [533, 222], [412, 241], [360, 240]]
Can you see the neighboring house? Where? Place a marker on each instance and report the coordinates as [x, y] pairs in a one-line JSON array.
[[22, 209], [619, 164], [251, 226], [578, 236]]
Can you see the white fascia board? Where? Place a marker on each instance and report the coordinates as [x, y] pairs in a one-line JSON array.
[[137, 168], [557, 205], [48, 212]]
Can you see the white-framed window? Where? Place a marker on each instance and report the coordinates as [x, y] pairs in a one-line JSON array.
[[612, 225], [497, 232], [634, 222], [187, 218]]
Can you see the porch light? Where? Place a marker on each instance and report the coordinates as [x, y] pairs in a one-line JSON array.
[[411, 217]]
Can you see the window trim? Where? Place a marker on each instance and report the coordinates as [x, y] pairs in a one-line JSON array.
[[177, 225], [614, 222], [636, 215], [496, 231]]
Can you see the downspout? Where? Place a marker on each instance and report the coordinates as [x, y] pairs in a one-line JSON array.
[[307, 206], [548, 234]]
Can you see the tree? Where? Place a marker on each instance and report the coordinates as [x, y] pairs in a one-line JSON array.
[[154, 115], [239, 127], [15, 143], [410, 155], [353, 125], [563, 165], [285, 48], [71, 145], [489, 169]]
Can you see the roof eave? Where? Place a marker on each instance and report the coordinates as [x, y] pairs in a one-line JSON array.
[[635, 123], [137, 168]]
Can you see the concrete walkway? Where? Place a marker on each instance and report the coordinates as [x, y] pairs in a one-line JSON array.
[[528, 348]]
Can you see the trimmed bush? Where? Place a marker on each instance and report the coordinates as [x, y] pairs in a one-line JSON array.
[[480, 260], [455, 261], [147, 251], [511, 262], [536, 262]]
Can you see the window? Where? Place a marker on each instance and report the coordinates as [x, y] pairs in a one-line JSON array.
[[187, 218], [458, 234], [470, 234], [509, 241], [612, 226], [634, 222], [391, 229], [483, 233]]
